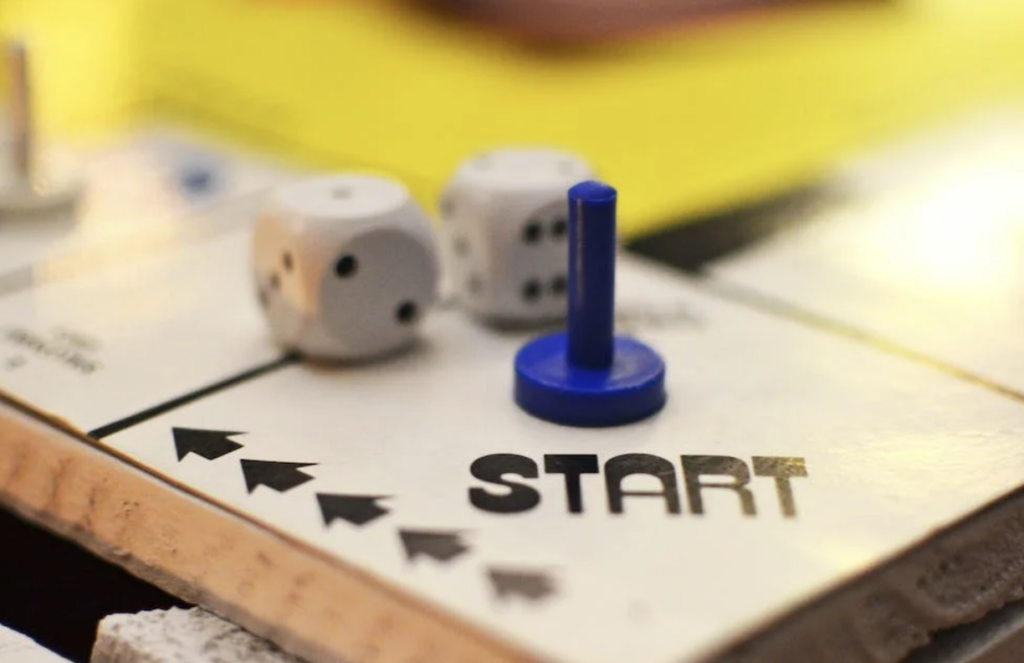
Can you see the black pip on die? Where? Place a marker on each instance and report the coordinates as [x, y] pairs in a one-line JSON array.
[[346, 266], [505, 229]]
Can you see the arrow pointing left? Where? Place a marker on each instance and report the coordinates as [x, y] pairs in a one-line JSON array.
[[210, 444], [356, 509], [441, 546], [531, 586], [276, 475]]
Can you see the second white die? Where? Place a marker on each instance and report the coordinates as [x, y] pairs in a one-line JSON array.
[[346, 266], [504, 219]]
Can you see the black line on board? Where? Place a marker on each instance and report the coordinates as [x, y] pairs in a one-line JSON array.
[[771, 305], [175, 403], [697, 242]]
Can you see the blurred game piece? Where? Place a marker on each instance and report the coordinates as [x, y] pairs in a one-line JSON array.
[[197, 173], [505, 222], [198, 179], [586, 376], [26, 184], [346, 266]]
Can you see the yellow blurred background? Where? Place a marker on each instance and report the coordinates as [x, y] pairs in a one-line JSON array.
[[683, 122]]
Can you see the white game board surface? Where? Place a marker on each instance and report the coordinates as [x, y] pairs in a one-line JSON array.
[[792, 461], [17, 648], [922, 249]]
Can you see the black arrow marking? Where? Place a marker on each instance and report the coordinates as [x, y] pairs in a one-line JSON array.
[[533, 586], [279, 476], [442, 546], [210, 444], [355, 509]]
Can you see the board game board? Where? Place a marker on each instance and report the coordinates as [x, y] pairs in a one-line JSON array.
[[825, 484]]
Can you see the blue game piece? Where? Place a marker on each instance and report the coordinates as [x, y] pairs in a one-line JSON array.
[[587, 376], [197, 179]]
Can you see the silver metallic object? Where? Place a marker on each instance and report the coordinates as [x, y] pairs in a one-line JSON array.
[[25, 185]]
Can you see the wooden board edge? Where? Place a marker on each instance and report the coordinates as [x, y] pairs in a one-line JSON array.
[[316, 608]]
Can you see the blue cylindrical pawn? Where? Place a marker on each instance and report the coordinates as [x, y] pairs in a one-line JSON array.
[[586, 376], [591, 314]]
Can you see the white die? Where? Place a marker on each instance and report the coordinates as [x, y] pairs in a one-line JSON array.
[[505, 233], [346, 266]]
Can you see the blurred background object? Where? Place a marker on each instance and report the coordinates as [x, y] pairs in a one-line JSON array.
[[688, 119], [583, 20]]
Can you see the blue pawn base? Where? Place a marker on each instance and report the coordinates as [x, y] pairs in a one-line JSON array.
[[547, 387]]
